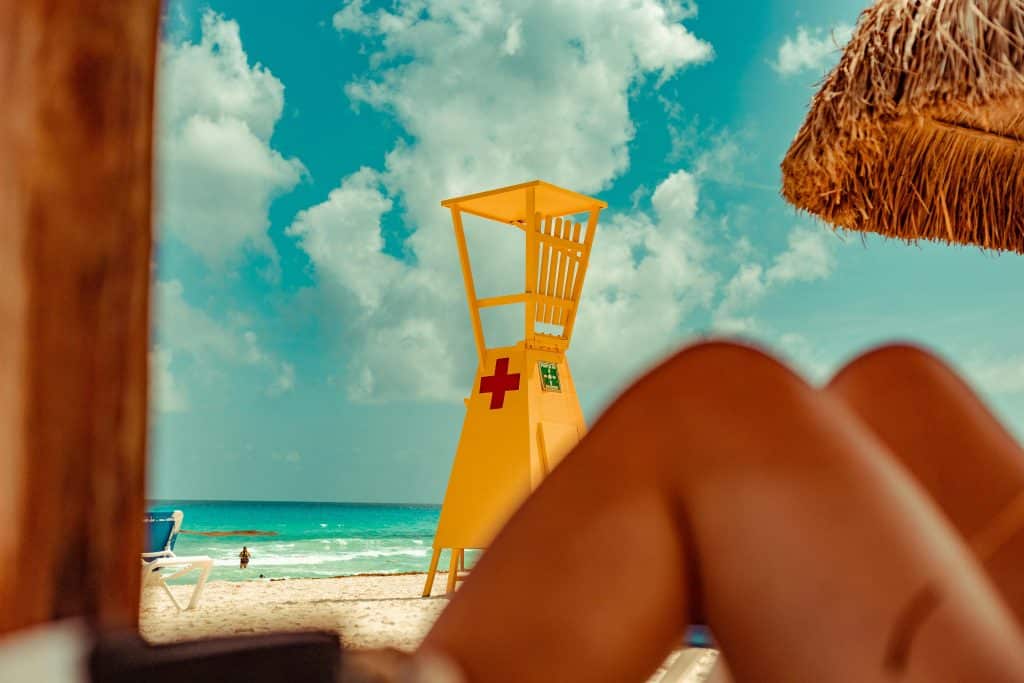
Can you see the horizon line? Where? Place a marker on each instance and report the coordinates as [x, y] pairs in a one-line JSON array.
[[312, 502]]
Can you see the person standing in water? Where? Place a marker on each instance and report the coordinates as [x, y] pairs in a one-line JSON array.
[[243, 558]]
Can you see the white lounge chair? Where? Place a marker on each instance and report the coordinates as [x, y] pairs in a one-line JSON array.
[[699, 660], [162, 528], [694, 665]]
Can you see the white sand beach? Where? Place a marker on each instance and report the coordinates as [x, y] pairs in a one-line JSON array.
[[367, 611]]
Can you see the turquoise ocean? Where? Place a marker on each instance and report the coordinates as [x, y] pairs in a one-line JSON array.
[[303, 540]]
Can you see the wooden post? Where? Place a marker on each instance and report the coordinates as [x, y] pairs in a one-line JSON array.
[[453, 570], [431, 573], [530, 288], [76, 138], [577, 288], [467, 278]]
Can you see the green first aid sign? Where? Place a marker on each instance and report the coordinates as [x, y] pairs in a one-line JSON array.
[[549, 380]]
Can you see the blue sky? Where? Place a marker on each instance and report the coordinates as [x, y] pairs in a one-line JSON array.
[[311, 338]]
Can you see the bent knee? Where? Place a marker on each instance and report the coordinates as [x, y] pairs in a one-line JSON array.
[[723, 367], [715, 407], [715, 385], [892, 369]]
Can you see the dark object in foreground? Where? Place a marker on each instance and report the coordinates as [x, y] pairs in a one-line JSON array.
[[271, 658]]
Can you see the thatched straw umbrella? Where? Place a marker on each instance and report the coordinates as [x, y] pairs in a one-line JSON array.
[[918, 133]]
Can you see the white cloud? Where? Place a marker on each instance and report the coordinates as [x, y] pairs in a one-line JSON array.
[[481, 117], [188, 331], [285, 380], [811, 50], [343, 238], [218, 171], [394, 313], [647, 273], [1003, 375], [744, 290], [513, 38], [353, 18], [719, 161], [491, 97], [809, 256], [718, 155], [167, 395], [805, 356]]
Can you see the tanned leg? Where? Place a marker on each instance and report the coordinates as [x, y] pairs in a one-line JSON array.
[[722, 478], [952, 444]]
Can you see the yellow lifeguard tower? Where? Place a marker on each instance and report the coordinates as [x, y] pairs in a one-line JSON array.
[[523, 415]]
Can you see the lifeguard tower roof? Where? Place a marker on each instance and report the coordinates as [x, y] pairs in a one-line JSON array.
[[508, 204]]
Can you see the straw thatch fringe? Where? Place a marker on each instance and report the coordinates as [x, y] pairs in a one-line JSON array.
[[919, 130], [936, 182]]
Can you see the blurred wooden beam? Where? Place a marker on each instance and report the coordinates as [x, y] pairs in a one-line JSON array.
[[76, 137]]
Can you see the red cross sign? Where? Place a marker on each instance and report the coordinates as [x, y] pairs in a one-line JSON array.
[[497, 384]]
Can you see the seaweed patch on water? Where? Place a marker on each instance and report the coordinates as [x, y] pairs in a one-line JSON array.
[[237, 532]]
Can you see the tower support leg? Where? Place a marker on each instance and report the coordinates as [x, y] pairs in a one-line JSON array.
[[431, 573], [453, 570]]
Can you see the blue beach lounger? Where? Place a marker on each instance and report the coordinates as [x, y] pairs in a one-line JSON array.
[[162, 527]]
